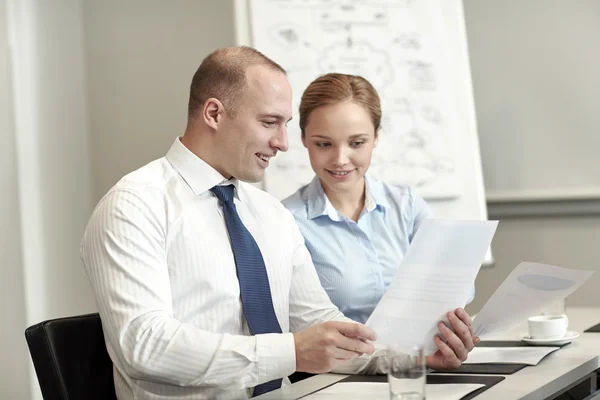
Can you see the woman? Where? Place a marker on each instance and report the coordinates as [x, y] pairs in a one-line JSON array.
[[356, 228]]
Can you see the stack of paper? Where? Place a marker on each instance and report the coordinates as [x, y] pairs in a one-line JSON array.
[[509, 355], [380, 391]]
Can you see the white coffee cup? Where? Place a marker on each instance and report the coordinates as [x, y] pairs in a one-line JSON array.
[[548, 326]]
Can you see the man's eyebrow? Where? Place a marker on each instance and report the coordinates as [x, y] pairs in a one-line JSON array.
[[278, 117]]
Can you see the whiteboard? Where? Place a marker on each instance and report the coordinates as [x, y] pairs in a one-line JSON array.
[[415, 54]]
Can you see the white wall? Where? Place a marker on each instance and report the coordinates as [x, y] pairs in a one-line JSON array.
[[141, 56], [53, 168], [565, 241], [128, 65], [53, 152], [535, 76], [14, 372]]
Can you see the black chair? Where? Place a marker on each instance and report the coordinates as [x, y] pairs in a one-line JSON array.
[[70, 358]]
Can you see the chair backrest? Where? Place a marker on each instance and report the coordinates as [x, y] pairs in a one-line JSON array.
[[70, 358]]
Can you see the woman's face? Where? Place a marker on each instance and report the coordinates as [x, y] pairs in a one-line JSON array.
[[340, 139]]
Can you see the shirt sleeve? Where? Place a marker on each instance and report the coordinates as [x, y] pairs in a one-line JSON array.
[[419, 212], [125, 256]]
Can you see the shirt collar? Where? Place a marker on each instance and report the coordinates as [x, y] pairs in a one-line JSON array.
[[376, 196], [199, 176], [318, 204]]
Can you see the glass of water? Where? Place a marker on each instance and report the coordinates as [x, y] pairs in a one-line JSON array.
[[406, 373]]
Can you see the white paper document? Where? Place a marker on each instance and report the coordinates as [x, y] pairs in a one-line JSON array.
[[509, 355], [528, 289], [380, 391], [434, 277]]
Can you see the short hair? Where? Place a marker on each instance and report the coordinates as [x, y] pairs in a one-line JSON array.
[[334, 88], [222, 75]]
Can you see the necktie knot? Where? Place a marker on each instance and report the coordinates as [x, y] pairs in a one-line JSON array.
[[223, 193]]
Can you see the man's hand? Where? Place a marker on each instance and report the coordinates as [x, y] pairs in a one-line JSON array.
[[455, 346], [330, 344]]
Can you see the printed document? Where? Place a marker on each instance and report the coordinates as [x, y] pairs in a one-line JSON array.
[[435, 277], [528, 289]]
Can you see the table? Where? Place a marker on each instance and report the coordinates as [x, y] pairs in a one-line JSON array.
[[556, 373]]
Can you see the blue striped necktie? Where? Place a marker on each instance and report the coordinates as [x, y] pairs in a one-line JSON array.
[[252, 276]]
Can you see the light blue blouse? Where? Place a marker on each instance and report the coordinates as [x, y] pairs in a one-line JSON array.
[[356, 261]]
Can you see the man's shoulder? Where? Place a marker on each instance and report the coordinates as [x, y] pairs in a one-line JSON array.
[[147, 184], [155, 174]]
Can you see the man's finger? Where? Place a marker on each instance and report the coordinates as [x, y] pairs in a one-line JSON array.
[[354, 344], [354, 330], [341, 354]]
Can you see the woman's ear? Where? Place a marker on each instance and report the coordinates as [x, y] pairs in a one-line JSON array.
[[303, 137]]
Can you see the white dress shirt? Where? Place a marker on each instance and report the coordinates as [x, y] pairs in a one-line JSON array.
[[159, 260]]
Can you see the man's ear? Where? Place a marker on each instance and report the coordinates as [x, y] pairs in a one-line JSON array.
[[213, 112]]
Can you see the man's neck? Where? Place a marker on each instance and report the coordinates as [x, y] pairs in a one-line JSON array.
[[200, 146]]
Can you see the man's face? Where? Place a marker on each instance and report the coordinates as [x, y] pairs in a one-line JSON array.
[[258, 130]]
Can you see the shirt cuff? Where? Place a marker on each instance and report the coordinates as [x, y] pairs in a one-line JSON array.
[[276, 356]]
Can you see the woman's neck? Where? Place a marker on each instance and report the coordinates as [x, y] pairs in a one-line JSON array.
[[349, 203]]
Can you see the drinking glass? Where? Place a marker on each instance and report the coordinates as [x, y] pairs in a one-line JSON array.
[[406, 372]]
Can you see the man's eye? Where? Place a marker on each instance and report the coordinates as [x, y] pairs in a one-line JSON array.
[[269, 124]]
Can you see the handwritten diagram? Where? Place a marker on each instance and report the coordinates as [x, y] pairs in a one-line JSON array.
[[392, 43]]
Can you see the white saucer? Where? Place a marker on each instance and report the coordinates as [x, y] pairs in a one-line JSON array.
[[569, 336]]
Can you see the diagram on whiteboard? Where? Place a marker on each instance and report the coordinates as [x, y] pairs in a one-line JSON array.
[[395, 45]]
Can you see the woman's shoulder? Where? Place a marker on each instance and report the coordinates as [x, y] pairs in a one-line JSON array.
[[392, 192], [408, 201], [297, 203]]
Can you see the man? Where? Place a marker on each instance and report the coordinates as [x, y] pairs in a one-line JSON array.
[[201, 278]]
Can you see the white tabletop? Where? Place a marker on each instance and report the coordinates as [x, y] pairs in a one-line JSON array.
[[555, 372]]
